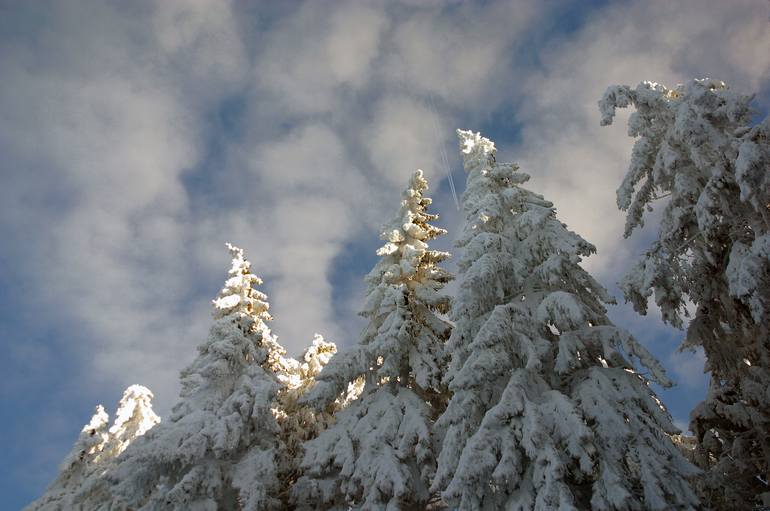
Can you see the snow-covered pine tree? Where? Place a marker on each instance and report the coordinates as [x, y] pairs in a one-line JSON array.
[[546, 412], [486, 270], [220, 449], [698, 154], [378, 453], [78, 484], [82, 461], [298, 422], [133, 418]]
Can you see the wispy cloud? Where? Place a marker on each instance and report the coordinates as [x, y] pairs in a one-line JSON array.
[[687, 367]]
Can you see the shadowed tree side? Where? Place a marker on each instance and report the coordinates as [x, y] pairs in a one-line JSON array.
[[547, 411], [698, 156]]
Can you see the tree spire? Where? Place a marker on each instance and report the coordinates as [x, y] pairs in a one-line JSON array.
[[547, 411], [379, 454], [221, 444]]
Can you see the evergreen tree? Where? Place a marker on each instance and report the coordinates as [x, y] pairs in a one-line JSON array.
[[378, 453], [221, 447], [78, 484], [300, 423], [547, 412], [82, 461], [696, 149]]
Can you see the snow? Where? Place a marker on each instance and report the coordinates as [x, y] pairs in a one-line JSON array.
[[378, 454], [543, 412], [695, 147], [79, 483], [222, 440]]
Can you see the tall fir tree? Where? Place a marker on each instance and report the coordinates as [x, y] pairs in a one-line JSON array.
[[547, 412], [78, 484], [221, 447], [378, 453], [697, 153]]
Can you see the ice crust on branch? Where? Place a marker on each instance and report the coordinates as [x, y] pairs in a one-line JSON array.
[[378, 454], [697, 153], [547, 410]]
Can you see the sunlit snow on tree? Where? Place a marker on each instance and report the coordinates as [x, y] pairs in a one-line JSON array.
[[378, 454], [79, 484], [220, 448]]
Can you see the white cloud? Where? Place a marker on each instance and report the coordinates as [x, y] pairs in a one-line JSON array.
[[307, 204], [310, 159], [200, 34], [687, 367], [402, 137], [109, 137], [461, 54], [315, 52]]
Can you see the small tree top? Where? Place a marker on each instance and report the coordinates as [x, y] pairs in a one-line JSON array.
[[405, 255], [238, 296], [133, 418]]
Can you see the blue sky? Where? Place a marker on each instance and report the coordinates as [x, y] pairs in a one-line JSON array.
[[138, 137]]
